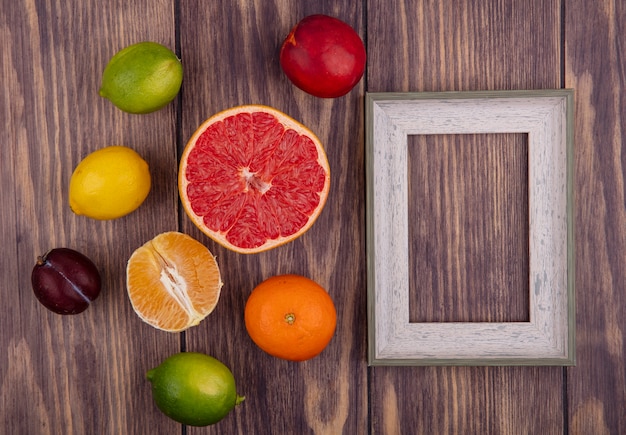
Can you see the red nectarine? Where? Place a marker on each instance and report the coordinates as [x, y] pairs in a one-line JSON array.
[[323, 56]]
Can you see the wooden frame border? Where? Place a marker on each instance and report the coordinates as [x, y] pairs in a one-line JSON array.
[[549, 337]]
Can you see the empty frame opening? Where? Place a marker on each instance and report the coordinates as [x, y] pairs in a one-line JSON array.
[[468, 228]]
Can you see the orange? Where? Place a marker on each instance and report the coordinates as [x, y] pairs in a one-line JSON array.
[[252, 178], [173, 282], [290, 317]]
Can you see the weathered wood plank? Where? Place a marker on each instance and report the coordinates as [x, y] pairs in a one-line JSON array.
[[469, 200], [595, 42], [471, 46], [84, 373], [468, 400], [431, 46], [231, 52]]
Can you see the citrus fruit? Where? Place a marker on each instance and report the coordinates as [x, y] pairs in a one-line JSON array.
[[173, 281], [290, 317], [252, 178], [109, 183], [193, 388], [323, 56], [142, 77]]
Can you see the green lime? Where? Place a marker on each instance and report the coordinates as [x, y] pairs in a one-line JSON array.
[[193, 388], [142, 77]]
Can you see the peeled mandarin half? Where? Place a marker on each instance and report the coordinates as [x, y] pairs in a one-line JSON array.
[[173, 282]]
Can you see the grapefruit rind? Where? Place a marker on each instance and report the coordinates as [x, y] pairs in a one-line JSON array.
[[221, 236]]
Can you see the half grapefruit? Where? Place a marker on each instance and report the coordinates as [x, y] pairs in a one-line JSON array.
[[252, 178]]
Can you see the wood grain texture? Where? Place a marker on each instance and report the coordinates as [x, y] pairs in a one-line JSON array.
[[478, 186], [464, 400], [595, 68], [431, 46], [473, 46], [231, 52], [84, 373]]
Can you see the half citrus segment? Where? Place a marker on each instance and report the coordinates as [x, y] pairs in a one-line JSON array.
[[173, 282], [253, 178]]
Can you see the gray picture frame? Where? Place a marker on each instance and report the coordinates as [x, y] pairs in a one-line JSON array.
[[548, 338]]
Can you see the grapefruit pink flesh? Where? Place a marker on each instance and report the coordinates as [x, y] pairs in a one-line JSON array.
[[254, 182]]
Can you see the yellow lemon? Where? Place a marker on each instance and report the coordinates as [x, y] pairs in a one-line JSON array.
[[109, 183], [142, 77]]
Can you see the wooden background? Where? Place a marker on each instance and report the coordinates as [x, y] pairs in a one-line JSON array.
[[85, 374]]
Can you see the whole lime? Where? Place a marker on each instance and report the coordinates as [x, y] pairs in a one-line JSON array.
[[193, 388], [109, 183], [142, 77]]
